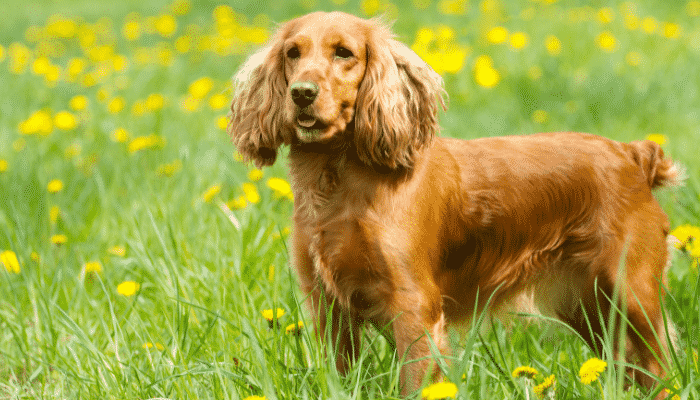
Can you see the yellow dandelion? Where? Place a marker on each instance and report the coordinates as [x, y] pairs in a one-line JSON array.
[[4, 165], [145, 143], [92, 266], [131, 30], [169, 169], [497, 35], [591, 369], [543, 388], [154, 102], [657, 137], [116, 105], [35, 256], [251, 193], [525, 372], [165, 25], [237, 203], [255, 398], [39, 122], [8, 258], [280, 187], [157, 346], [686, 234], [128, 288], [294, 329], [519, 40], [672, 30], [440, 390], [218, 101], [255, 175], [222, 122], [606, 15], [54, 186], [201, 87], [78, 103], [64, 120], [119, 251], [607, 42], [272, 316], [120, 135], [484, 73], [553, 45], [59, 239], [210, 193], [54, 213], [649, 25]]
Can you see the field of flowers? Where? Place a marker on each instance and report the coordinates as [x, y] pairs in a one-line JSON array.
[[140, 258]]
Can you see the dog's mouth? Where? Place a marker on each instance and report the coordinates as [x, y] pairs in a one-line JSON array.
[[310, 128]]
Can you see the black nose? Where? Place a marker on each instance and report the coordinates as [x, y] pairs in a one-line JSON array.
[[304, 93]]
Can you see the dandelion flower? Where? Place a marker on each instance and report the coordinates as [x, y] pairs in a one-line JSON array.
[[78, 103], [55, 186], [211, 192], [553, 45], [199, 88], [497, 35], [59, 239], [657, 137], [525, 372], [543, 388], [255, 398], [3, 165], [128, 288], [8, 258], [686, 234], [607, 42], [64, 120], [255, 175], [519, 40], [294, 329], [169, 169], [484, 73], [251, 193], [271, 314], [120, 135], [218, 101], [145, 142], [237, 203], [93, 266], [440, 390], [119, 251], [591, 369], [116, 105], [149, 345], [280, 187]]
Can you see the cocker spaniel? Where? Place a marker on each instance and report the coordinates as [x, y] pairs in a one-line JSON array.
[[398, 227]]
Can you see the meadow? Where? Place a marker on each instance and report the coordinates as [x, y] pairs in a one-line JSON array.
[[141, 259]]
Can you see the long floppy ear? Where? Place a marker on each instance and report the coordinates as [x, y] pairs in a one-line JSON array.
[[396, 112], [256, 120]]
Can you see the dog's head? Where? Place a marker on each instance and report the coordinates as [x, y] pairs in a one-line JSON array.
[[327, 77]]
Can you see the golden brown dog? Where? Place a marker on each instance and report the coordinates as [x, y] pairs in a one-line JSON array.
[[406, 230]]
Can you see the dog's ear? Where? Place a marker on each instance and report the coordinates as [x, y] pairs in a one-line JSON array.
[[256, 119], [396, 113]]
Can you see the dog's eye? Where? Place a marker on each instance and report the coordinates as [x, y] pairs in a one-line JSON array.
[[342, 52], [293, 53]]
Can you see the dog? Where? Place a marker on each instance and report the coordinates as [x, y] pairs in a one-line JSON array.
[[398, 227]]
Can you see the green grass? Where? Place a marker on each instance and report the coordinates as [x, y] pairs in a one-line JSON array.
[[204, 281]]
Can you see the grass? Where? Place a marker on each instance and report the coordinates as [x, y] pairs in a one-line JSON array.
[[194, 327]]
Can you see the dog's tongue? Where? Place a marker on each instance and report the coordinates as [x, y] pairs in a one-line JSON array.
[[305, 120]]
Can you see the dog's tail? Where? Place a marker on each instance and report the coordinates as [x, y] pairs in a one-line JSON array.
[[659, 171]]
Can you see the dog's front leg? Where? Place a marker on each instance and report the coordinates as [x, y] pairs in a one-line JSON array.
[[417, 332]]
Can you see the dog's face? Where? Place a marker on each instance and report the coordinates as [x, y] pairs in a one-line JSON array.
[[324, 63]]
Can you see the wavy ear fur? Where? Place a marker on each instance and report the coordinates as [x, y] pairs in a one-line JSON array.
[[397, 103], [256, 123]]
